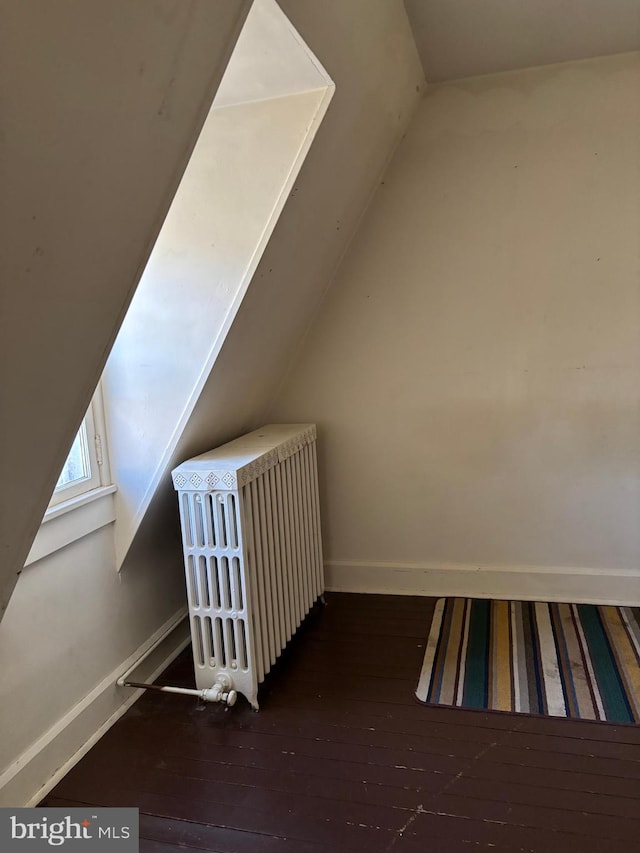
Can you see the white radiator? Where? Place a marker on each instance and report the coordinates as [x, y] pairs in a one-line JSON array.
[[252, 551]]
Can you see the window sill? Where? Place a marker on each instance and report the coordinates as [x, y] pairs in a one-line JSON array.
[[71, 520]]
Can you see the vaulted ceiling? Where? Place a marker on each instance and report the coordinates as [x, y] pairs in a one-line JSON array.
[[464, 38]]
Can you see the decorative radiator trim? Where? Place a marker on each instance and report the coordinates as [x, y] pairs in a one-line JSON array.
[[194, 473]]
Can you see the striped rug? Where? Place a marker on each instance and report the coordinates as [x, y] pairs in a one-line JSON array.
[[561, 660]]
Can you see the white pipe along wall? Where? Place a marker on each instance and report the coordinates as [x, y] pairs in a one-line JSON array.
[[474, 368]]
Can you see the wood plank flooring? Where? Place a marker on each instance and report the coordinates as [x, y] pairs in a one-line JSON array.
[[341, 757]]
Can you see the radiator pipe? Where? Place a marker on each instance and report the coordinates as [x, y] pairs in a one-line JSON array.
[[222, 690], [124, 678]]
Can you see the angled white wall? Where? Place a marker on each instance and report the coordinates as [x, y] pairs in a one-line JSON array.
[[474, 368], [270, 60], [240, 173], [101, 107]]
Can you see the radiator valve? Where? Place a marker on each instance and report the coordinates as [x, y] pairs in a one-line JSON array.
[[222, 691]]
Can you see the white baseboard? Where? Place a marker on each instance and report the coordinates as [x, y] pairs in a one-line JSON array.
[[31, 776], [525, 583]]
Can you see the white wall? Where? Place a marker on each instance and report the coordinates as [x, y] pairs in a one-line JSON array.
[[101, 106], [229, 198], [474, 367], [72, 622], [271, 100], [270, 60], [74, 599]]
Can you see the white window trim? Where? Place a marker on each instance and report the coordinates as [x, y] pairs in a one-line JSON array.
[[81, 508], [89, 439], [94, 429], [69, 521]]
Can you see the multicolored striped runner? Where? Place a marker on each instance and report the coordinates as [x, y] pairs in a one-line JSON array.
[[561, 660]]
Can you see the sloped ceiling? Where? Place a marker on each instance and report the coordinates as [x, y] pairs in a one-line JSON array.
[[464, 38], [101, 107]]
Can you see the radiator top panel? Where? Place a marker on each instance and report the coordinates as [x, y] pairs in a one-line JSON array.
[[242, 460]]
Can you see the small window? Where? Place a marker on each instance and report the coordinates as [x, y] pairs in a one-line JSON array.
[[84, 468]]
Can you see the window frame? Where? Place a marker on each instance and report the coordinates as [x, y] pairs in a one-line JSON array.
[[93, 428], [72, 517], [79, 486]]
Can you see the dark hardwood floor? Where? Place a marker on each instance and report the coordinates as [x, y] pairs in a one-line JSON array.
[[341, 757]]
